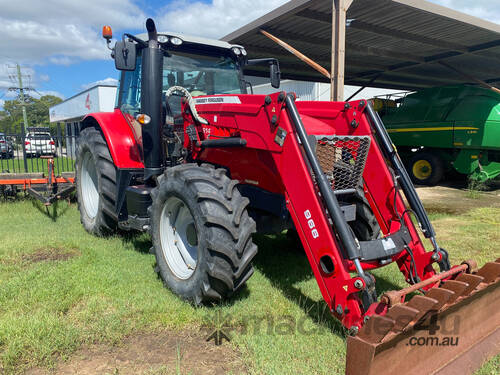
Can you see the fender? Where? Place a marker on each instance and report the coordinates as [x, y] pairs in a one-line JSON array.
[[122, 144]]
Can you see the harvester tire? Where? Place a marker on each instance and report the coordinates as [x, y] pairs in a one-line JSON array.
[[95, 183], [425, 168], [202, 233]]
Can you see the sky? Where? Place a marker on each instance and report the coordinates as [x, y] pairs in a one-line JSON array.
[[59, 46]]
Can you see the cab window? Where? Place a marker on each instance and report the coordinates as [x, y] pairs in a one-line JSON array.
[[129, 96]]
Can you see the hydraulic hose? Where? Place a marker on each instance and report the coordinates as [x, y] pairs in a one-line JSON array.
[[185, 93]]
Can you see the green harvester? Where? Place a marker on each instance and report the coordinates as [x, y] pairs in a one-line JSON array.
[[448, 128]]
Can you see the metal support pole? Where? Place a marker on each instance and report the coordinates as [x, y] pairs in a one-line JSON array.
[[23, 147], [25, 116], [21, 94], [339, 12], [59, 146]]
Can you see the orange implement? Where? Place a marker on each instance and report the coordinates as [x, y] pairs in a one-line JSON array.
[[33, 182]]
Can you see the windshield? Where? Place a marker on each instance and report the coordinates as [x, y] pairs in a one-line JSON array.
[[201, 74]]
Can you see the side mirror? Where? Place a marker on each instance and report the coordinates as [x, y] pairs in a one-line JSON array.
[[275, 75], [124, 55], [274, 66]]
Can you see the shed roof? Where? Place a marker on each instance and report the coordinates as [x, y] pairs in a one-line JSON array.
[[398, 41]]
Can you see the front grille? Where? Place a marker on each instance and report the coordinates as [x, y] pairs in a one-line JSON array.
[[342, 159]]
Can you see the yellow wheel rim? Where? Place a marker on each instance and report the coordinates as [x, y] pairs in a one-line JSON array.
[[422, 169]]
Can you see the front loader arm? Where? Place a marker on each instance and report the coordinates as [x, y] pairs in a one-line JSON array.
[[271, 128], [332, 249], [321, 245]]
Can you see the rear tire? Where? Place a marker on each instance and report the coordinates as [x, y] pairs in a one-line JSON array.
[[426, 168], [206, 254], [95, 183]]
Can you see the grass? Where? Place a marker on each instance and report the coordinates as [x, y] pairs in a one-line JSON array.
[[61, 289], [36, 165]]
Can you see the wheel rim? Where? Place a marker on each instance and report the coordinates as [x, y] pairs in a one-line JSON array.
[[422, 169], [89, 183], [179, 238]]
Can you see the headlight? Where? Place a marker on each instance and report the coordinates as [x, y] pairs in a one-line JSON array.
[[176, 41], [236, 51], [162, 38], [243, 52]]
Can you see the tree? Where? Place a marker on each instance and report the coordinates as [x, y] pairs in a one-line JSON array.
[[37, 110]]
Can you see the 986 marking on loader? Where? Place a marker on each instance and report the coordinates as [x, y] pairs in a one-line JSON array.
[[310, 222]]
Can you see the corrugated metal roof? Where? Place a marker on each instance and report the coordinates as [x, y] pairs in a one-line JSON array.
[[400, 41]]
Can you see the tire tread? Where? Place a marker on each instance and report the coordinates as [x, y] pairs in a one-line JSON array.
[[229, 248], [106, 221]]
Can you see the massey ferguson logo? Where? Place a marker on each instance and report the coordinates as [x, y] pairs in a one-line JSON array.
[[88, 103], [218, 100]]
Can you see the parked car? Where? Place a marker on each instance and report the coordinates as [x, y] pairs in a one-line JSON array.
[[6, 147], [38, 144]]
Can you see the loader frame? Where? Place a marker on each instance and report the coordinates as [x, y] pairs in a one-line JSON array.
[[332, 250]]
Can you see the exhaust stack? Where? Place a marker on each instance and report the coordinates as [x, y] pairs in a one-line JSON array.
[[151, 103]]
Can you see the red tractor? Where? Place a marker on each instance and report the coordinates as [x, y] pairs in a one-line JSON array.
[[192, 158]]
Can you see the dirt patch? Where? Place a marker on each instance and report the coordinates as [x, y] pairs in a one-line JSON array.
[[454, 201], [50, 254], [185, 352]]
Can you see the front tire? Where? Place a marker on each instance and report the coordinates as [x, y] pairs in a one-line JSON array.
[[95, 183], [202, 234]]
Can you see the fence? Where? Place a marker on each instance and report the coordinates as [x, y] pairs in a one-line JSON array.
[[25, 152]]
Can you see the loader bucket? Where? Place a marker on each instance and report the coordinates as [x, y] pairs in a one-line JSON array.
[[453, 329]]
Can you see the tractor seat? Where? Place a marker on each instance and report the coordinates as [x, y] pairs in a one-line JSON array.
[[173, 110]]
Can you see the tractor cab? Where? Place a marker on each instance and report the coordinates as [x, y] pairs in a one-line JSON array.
[[202, 66]]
